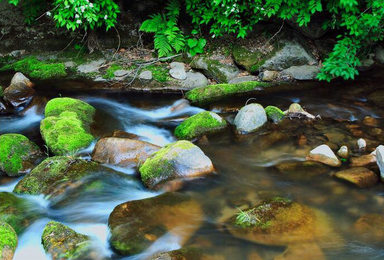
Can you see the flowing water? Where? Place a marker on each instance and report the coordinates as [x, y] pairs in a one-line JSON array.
[[245, 171]]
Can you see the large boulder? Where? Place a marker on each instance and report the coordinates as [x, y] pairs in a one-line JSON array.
[[291, 54], [122, 151], [359, 176], [324, 154], [250, 60], [66, 127], [17, 212], [135, 225], [56, 173], [8, 241], [20, 91], [203, 123], [62, 242], [213, 68], [250, 118], [279, 222], [18, 154], [177, 160]]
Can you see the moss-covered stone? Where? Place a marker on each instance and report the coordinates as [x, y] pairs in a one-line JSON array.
[[135, 225], [200, 124], [63, 243], [8, 241], [15, 211], [56, 173], [188, 253], [37, 69], [66, 127], [280, 221], [216, 92], [17, 154], [274, 113], [215, 69], [83, 110], [251, 61], [180, 159]]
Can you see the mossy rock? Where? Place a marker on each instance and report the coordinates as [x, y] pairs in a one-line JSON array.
[[136, 225], [279, 221], [188, 253], [251, 61], [63, 243], [17, 154], [274, 114], [55, 174], [177, 160], [213, 68], [37, 69], [203, 123], [83, 110], [8, 241], [205, 95], [17, 212], [66, 127]]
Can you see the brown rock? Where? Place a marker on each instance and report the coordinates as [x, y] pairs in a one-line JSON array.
[[122, 151], [122, 134], [364, 161], [20, 91], [370, 121], [360, 176], [305, 251], [370, 228], [356, 132], [325, 155]]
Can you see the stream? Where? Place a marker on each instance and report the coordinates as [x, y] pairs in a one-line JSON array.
[[244, 165]]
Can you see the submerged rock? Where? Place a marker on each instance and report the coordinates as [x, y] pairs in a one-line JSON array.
[[66, 127], [304, 251], [177, 160], [17, 154], [380, 160], [370, 228], [274, 114], [377, 98], [62, 242], [203, 123], [302, 170], [17, 212], [250, 118], [8, 241], [360, 176], [56, 173], [214, 69], [135, 225], [188, 253], [325, 155], [20, 91], [280, 221], [216, 92], [122, 151]]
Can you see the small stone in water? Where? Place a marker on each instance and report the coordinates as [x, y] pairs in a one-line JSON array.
[[361, 145], [325, 155], [343, 152]]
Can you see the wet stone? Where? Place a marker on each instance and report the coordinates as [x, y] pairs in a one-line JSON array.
[[370, 228], [136, 225], [368, 160], [8, 241], [302, 170], [359, 176], [325, 155]]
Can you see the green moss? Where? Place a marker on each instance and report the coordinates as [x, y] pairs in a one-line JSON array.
[[15, 152], [1, 91], [200, 124], [8, 238], [159, 166], [216, 92], [54, 171], [37, 69], [15, 211], [110, 72], [274, 113], [65, 134], [159, 72], [83, 110], [62, 242], [262, 216]]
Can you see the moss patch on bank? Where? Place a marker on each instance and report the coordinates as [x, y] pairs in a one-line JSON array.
[[37, 69], [110, 72], [216, 92], [200, 124]]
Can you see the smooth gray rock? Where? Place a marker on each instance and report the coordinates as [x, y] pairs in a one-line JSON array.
[[305, 72], [380, 160], [195, 80], [250, 118], [92, 66], [146, 74], [291, 54], [242, 79], [177, 71]]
